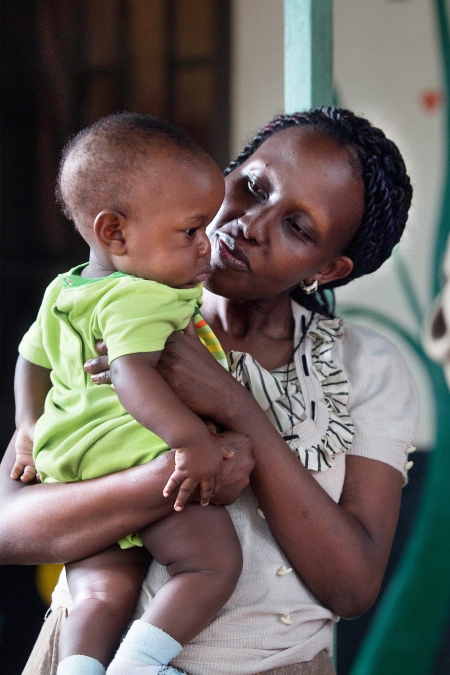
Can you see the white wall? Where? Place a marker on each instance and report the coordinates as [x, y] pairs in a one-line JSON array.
[[257, 50], [386, 57]]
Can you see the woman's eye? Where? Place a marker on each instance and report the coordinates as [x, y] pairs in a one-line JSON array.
[[191, 232], [256, 189]]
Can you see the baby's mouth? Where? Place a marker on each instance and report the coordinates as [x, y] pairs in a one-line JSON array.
[[230, 254]]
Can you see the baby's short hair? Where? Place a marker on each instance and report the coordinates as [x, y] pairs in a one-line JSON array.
[[99, 163]]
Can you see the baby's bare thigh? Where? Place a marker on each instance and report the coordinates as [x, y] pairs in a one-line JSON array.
[[200, 534]]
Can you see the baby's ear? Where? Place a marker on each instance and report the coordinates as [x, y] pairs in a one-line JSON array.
[[109, 232]]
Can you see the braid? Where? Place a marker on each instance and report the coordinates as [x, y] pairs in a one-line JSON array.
[[387, 190]]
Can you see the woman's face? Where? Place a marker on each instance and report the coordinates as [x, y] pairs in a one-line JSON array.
[[288, 213]]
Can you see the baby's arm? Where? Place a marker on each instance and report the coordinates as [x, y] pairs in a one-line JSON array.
[[31, 386], [150, 400]]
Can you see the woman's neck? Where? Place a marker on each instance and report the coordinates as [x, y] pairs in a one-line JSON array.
[[264, 329]]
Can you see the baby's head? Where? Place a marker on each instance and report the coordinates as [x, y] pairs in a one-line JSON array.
[[141, 193]]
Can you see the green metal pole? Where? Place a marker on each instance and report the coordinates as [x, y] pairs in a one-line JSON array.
[[308, 59], [308, 54]]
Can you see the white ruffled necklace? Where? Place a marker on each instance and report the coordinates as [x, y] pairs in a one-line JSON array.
[[306, 400]]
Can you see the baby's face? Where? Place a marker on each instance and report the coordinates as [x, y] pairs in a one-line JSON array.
[[174, 201]]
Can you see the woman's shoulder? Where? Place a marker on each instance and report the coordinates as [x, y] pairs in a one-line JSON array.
[[372, 362], [370, 356], [383, 400]]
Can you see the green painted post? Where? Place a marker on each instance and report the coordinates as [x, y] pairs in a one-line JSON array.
[[308, 54], [308, 58]]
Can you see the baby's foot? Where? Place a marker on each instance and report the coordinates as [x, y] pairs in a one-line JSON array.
[[77, 664], [128, 667], [144, 650]]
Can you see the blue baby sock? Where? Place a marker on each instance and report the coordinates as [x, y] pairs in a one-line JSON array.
[[145, 649], [77, 664]]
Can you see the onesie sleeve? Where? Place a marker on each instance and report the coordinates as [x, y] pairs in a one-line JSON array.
[[32, 347], [383, 401], [139, 315]]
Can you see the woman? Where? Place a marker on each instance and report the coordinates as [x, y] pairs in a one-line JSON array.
[[315, 200]]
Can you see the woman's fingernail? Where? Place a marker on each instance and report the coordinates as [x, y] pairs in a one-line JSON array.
[[95, 378], [87, 367]]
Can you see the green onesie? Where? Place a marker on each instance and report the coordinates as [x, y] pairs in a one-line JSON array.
[[85, 431]]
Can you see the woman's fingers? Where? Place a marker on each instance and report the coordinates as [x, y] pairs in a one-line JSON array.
[[102, 378], [193, 373], [207, 488], [101, 347], [237, 469], [191, 329], [97, 365]]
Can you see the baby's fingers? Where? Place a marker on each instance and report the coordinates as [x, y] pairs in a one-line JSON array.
[[174, 481], [29, 474], [187, 487], [16, 471], [26, 472]]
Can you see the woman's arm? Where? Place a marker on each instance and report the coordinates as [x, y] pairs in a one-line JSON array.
[[48, 523], [339, 550]]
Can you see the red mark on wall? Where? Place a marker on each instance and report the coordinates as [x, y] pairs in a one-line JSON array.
[[431, 99]]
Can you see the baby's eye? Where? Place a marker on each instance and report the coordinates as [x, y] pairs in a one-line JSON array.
[[295, 227], [191, 232], [293, 224]]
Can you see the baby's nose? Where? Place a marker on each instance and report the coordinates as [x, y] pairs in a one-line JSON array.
[[204, 246]]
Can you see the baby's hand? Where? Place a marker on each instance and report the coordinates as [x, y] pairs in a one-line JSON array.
[[201, 465], [24, 467]]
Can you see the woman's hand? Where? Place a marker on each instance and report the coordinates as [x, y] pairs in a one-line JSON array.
[[236, 469], [198, 379], [99, 367]]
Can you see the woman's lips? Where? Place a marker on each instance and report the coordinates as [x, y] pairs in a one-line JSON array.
[[229, 253]]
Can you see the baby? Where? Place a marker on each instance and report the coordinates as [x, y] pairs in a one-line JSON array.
[[141, 193]]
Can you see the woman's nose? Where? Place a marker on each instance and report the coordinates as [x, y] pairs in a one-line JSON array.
[[254, 226]]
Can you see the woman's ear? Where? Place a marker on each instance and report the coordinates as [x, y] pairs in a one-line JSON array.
[[339, 268], [109, 231]]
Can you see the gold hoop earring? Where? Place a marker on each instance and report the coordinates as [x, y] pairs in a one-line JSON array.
[[309, 290]]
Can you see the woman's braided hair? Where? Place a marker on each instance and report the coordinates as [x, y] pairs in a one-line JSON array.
[[388, 190]]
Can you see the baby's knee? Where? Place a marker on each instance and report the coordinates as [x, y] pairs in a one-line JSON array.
[[106, 597], [114, 583], [220, 555]]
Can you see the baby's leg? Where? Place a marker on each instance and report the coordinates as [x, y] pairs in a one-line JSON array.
[[104, 588], [201, 550]]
